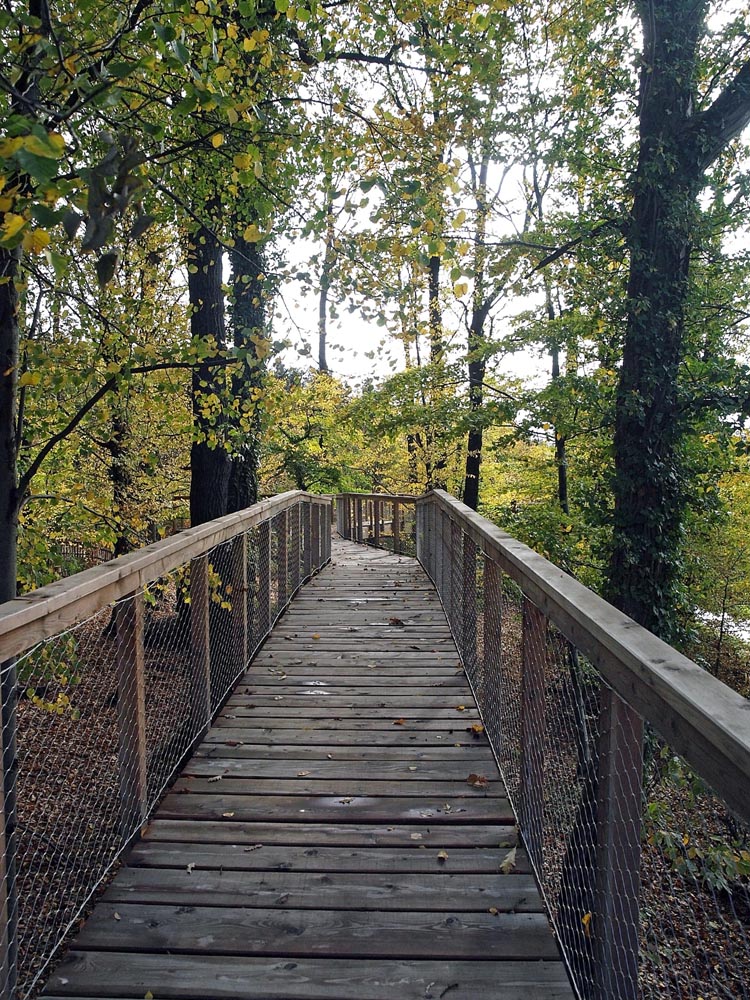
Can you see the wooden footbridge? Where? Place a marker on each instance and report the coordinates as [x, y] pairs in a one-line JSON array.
[[335, 824]]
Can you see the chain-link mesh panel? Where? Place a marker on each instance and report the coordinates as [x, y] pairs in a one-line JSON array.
[[97, 719], [645, 871]]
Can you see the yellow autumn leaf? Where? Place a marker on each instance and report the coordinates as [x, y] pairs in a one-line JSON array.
[[243, 161], [460, 288], [252, 234], [12, 225], [30, 378], [41, 147], [10, 146], [232, 116], [36, 240], [217, 140]]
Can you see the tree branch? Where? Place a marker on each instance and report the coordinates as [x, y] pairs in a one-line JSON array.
[[101, 392], [711, 130]]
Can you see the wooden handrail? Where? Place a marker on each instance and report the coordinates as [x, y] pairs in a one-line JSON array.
[[48, 610], [702, 718]]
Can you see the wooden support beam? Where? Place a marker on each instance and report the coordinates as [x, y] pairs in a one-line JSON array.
[[200, 667], [239, 601], [396, 526], [263, 606], [130, 666], [283, 558], [533, 710]]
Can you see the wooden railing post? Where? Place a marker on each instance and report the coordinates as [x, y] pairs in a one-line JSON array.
[[8, 901], [315, 510], [238, 600], [200, 668], [358, 520], [130, 666], [492, 659], [283, 559], [377, 508], [263, 611], [396, 526], [533, 709], [469, 605], [616, 919], [306, 532]]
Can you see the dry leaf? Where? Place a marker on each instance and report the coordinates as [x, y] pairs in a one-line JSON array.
[[413, 768], [415, 836], [190, 868], [316, 635], [460, 708], [228, 815], [509, 862], [477, 729], [233, 743], [399, 722], [442, 857], [215, 777], [116, 915], [477, 781], [148, 995], [396, 621], [586, 921], [494, 911], [253, 847], [302, 774]]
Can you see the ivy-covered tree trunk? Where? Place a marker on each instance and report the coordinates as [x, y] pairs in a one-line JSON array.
[[9, 348], [676, 148], [209, 462], [248, 317]]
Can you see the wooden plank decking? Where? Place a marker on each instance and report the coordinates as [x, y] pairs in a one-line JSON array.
[[324, 841]]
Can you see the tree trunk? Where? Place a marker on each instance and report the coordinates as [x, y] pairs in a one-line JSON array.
[[249, 327], [209, 461], [437, 459], [10, 335], [650, 491], [329, 261]]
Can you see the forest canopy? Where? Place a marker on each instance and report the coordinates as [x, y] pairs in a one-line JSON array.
[[543, 208]]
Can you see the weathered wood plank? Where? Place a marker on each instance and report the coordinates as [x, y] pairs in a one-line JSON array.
[[100, 974], [446, 771], [274, 858], [341, 737], [306, 933], [329, 834], [334, 809], [229, 784], [462, 893]]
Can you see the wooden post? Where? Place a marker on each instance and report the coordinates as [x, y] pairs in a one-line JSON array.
[[315, 510], [283, 558], [358, 520], [456, 583], [200, 672], [264, 579], [469, 606], [238, 600], [492, 659], [377, 513], [616, 919], [130, 666], [533, 708], [8, 905], [396, 526], [306, 540]]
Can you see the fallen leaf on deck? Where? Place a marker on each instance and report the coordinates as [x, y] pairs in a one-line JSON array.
[[477, 781], [215, 777], [233, 743], [316, 635], [509, 862], [116, 915], [493, 910], [396, 621], [477, 729], [399, 722], [190, 868], [228, 815], [302, 774], [413, 768], [460, 708], [415, 836], [442, 857], [254, 847], [148, 996]]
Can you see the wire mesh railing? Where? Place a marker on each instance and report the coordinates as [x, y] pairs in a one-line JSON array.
[[385, 521], [628, 766], [108, 679]]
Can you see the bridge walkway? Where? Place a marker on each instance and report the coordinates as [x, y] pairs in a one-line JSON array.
[[341, 832]]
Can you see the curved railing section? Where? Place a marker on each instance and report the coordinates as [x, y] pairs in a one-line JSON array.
[[109, 678], [627, 763]]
